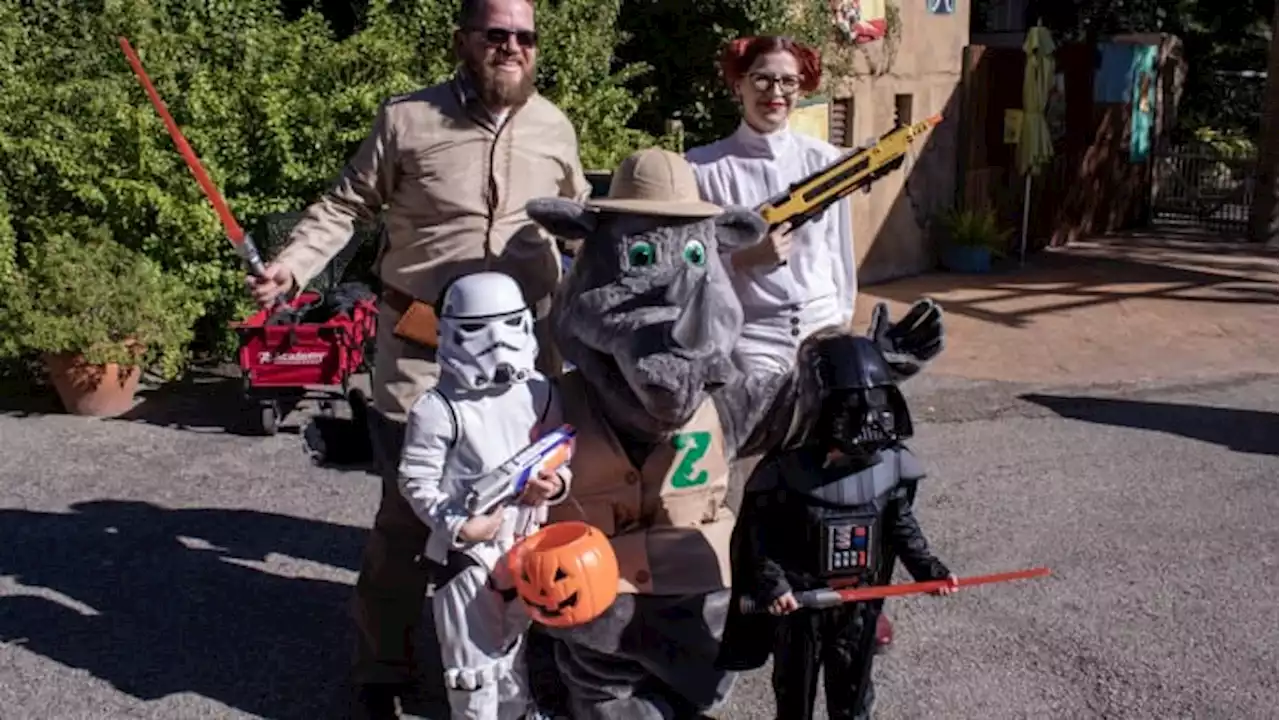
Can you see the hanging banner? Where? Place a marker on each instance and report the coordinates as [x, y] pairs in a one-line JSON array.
[[860, 21], [1142, 106]]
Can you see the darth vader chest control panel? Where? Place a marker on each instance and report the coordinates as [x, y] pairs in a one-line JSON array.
[[847, 546]]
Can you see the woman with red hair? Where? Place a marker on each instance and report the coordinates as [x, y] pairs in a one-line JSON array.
[[795, 280]]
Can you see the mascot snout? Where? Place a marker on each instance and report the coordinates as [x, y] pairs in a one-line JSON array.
[[690, 334]]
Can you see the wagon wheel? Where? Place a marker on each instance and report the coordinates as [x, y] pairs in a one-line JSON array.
[[359, 407], [268, 417]]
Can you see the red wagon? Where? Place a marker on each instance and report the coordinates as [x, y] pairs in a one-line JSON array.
[[310, 350], [286, 363]]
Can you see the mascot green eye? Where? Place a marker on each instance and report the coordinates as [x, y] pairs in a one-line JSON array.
[[641, 254], [695, 253]]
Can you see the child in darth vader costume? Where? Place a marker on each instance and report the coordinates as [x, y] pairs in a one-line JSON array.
[[833, 509]]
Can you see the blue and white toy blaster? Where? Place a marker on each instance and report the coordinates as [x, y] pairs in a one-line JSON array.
[[506, 482]]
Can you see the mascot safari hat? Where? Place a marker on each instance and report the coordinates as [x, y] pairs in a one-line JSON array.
[[655, 182]]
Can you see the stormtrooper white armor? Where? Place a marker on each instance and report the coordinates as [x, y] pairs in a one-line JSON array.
[[489, 330], [490, 403]]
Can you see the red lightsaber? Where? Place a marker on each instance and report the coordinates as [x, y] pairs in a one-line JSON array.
[[242, 242], [830, 597]]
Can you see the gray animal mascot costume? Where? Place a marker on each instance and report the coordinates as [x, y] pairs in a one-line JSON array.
[[648, 318]]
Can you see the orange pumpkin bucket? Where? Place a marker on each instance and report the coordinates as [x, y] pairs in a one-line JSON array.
[[566, 573]]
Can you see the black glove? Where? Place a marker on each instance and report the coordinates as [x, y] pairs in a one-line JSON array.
[[911, 342]]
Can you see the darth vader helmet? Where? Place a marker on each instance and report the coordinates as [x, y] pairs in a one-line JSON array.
[[858, 407], [486, 331]]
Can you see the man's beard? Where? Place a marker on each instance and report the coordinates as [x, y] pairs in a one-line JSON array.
[[499, 89]]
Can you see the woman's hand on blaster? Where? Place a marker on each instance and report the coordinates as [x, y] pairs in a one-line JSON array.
[[772, 250]]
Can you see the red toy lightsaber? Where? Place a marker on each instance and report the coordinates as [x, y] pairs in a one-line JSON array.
[[830, 597], [241, 240]]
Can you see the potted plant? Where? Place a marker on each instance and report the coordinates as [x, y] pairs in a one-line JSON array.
[[970, 239], [97, 314]]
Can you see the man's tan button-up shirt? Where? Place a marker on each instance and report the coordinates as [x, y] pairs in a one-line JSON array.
[[452, 185]]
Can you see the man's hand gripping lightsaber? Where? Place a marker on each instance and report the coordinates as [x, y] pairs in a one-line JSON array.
[[239, 238]]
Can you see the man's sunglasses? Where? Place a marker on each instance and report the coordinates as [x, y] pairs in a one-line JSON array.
[[499, 37]]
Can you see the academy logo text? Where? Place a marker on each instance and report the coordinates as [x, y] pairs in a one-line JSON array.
[[291, 358]]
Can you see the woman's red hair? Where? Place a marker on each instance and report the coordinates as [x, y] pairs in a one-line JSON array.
[[740, 54]]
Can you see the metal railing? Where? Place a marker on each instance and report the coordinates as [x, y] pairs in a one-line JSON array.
[[1200, 187]]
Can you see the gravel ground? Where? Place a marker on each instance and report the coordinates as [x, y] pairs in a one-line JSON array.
[[161, 567]]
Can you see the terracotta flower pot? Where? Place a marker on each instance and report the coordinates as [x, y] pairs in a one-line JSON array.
[[94, 390]]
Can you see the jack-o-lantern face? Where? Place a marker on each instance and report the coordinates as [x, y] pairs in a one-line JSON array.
[[566, 573]]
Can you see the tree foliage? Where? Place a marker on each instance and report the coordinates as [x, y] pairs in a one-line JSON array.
[[1223, 43], [682, 40]]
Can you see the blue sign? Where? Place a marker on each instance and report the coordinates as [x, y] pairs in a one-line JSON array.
[[941, 7]]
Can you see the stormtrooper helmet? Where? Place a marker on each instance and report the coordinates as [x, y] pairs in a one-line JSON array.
[[486, 331]]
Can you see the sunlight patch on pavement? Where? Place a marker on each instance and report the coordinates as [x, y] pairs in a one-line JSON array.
[[10, 586], [286, 566], [194, 543]]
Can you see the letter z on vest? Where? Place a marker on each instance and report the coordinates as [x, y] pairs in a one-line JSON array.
[[666, 519]]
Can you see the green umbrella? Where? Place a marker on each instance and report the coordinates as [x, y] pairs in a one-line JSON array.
[[1034, 145]]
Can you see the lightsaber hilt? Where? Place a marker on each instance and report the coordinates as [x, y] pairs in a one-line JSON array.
[[812, 599], [248, 252]]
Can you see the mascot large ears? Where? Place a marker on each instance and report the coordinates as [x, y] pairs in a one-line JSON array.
[[736, 228], [641, 254]]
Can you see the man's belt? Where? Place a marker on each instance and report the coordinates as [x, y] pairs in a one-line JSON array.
[[418, 322]]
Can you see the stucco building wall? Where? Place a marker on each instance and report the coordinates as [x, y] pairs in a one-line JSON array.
[[919, 74]]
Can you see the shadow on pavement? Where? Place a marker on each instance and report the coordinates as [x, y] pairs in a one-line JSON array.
[[201, 401], [158, 601], [1246, 431], [207, 401], [29, 402]]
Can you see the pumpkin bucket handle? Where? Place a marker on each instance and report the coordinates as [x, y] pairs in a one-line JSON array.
[[550, 536]]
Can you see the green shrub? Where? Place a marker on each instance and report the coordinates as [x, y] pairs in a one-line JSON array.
[[975, 228], [11, 302], [1227, 145], [78, 291]]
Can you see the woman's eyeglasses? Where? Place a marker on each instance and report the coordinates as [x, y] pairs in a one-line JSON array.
[[788, 84], [499, 37]]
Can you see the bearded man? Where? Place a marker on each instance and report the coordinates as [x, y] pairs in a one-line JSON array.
[[450, 168]]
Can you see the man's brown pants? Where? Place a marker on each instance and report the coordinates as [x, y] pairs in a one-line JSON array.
[[393, 579]]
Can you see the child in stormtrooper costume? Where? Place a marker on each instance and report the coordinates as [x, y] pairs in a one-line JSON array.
[[832, 510], [489, 404]]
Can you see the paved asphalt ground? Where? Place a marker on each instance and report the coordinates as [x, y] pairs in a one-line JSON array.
[[150, 570]]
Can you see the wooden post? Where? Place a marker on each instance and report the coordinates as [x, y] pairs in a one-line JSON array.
[[1263, 210]]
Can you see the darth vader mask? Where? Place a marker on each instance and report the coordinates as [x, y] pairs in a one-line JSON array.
[[861, 410]]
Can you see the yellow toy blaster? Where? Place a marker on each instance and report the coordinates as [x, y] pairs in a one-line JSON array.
[[811, 196]]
